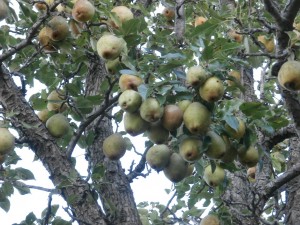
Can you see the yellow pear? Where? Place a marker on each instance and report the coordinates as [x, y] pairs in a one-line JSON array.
[[248, 157], [59, 28], [56, 101], [110, 47], [128, 81], [158, 156], [289, 75], [151, 110], [267, 42], [134, 124], [196, 118], [189, 149], [236, 75], [113, 66], [168, 13], [130, 101], [183, 104], [83, 11], [251, 172], [210, 220], [43, 115], [212, 90], [157, 133], [4, 10], [114, 146], [172, 117], [58, 125], [45, 41], [214, 178], [217, 147], [199, 20], [176, 169], [196, 76], [7, 141], [123, 13], [42, 6], [239, 132], [235, 36]]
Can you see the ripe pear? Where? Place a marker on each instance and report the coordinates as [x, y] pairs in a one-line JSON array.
[[196, 118], [267, 42], [157, 133], [110, 47], [4, 10], [123, 13], [289, 75], [176, 169], [212, 90], [210, 220], [44, 39], [215, 178], [42, 6], [114, 147], [196, 76], [235, 36], [130, 101], [236, 74], [189, 149], [231, 152], [58, 125], [251, 172], [199, 20], [127, 81], [59, 28], [239, 133], [7, 141], [249, 157], [43, 115], [151, 110], [134, 124], [172, 117], [56, 101], [217, 147], [183, 104], [168, 13], [83, 11], [158, 157]]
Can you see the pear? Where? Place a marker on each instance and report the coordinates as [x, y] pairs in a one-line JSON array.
[[123, 13], [183, 104], [231, 152], [7, 141], [56, 101], [130, 101], [42, 6], [112, 66], [110, 47], [251, 172], [235, 36], [127, 81], [172, 117], [249, 157], [58, 125], [176, 169], [210, 220], [212, 90], [196, 76], [44, 39], [114, 146], [215, 178], [75, 27], [267, 42], [289, 75], [134, 124], [43, 115], [236, 74], [239, 132], [168, 13], [157, 133], [199, 20], [59, 28], [196, 118], [151, 110], [158, 156], [83, 11], [217, 147], [189, 149], [3, 10]]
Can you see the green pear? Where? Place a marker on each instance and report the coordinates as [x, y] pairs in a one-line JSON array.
[[110, 47], [43, 115], [239, 132], [158, 156], [83, 11], [289, 75], [196, 76], [217, 147], [210, 220], [58, 125], [189, 149], [172, 117], [151, 110], [251, 171], [215, 178], [183, 104], [114, 146], [56, 101], [249, 157], [123, 14], [113, 66], [212, 90], [196, 118], [134, 124], [59, 28], [230, 153], [130, 101], [3, 10], [176, 169], [7, 141], [157, 133]]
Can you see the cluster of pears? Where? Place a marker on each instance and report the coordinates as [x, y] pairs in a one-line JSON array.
[[53, 117], [4, 10], [7, 142]]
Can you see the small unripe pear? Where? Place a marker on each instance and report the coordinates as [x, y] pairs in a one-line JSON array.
[[176, 169], [83, 11], [110, 47], [134, 124], [212, 90], [289, 75], [249, 157], [44, 39], [130, 101], [183, 104], [128, 81], [189, 149], [217, 147], [251, 172], [56, 101], [58, 125], [3, 10], [196, 76], [43, 115], [210, 220], [239, 132], [172, 117], [236, 74], [114, 147], [215, 178], [235, 36], [59, 28], [157, 133], [7, 141], [112, 66], [168, 13], [123, 13], [199, 20], [158, 156], [267, 42], [151, 110]]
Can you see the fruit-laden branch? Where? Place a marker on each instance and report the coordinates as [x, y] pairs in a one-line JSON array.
[[61, 170], [31, 33]]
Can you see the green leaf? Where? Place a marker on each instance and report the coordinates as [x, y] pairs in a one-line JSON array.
[[7, 188], [232, 121], [53, 210], [24, 174], [22, 188], [98, 172], [30, 218], [5, 204], [60, 221]]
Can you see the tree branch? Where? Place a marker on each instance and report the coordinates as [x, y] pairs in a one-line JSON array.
[[179, 21], [290, 12], [271, 7]]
